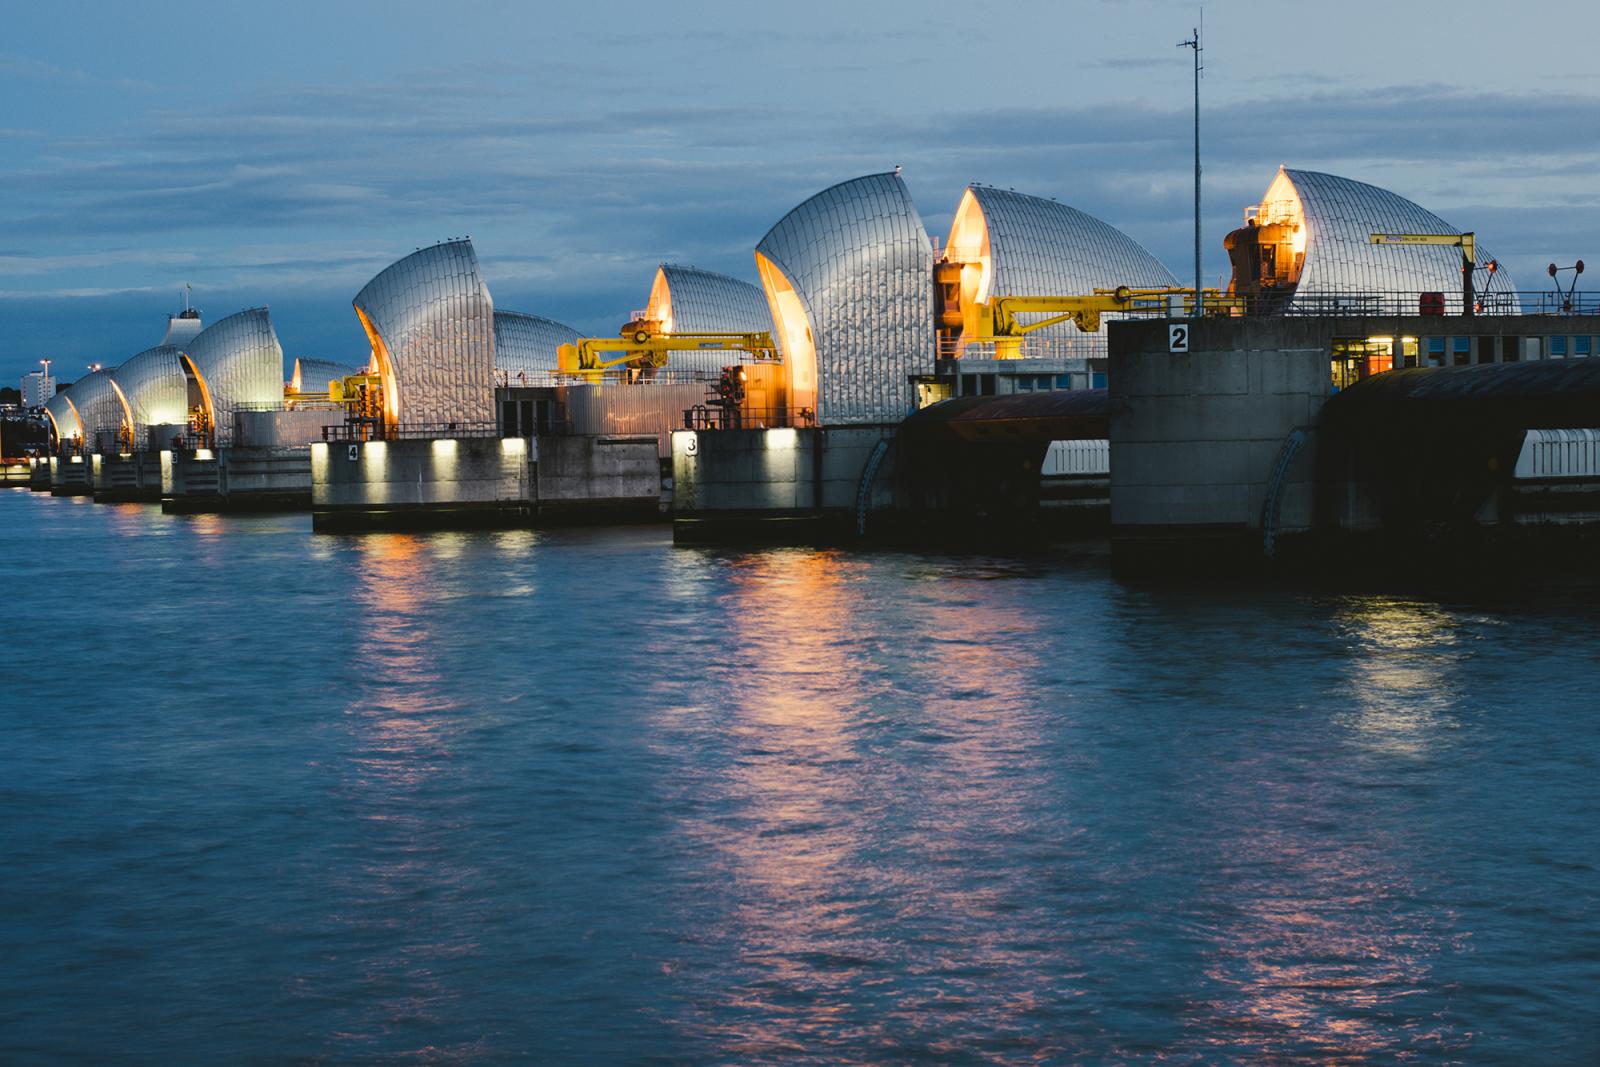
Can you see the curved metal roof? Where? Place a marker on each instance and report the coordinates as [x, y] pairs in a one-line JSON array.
[[100, 407], [239, 362], [1029, 246], [525, 345], [848, 276], [1038, 247], [1340, 215], [317, 373], [155, 389], [63, 416], [430, 319], [691, 300]]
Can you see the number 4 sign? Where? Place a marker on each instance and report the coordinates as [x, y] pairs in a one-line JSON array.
[[1178, 337]]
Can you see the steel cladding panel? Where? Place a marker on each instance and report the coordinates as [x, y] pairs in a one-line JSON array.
[[99, 407], [861, 264], [707, 302], [242, 364], [313, 375], [156, 389], [1342, 214], [435, 317], [61, 411], [525, 345], [1039, 247], [655, 409]]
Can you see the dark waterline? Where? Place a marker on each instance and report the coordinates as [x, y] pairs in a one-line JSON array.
[[585, 797]]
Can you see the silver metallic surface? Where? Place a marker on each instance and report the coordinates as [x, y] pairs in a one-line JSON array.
[[240, 362], [180, 329], [431, 321], [1038, 247], [861, 265], [155, 388], [313, 375], [99, 406], [702, 301], [525, 346], [691, 300], [1340, 216], [654, 408], [63, 416]]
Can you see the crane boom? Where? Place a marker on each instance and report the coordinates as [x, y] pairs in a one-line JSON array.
[[996, 321], [643, 348], [1464, 241]]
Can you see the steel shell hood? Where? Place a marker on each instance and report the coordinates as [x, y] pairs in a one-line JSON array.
[[525, 346], [239, 363], [691, 300], [313, 375], [430, 320], [1030, 246], [848, 278], [1339, 216], [100, 406], [155, 389], [63, 416], [1013, 244]]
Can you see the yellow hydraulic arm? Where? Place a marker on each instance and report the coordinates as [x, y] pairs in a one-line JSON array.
[[1463, 241], [996, 322], [642, 348]]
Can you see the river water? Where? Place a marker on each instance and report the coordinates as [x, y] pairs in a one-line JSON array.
[[584, 797]]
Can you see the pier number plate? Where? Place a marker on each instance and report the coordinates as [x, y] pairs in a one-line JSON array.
[[1178, 337]]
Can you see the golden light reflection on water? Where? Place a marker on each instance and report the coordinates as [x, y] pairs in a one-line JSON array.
[[401, 724], [1400, 673], [827, 828], [1319, 954]]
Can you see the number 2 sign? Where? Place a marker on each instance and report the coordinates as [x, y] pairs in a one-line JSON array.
[[1178, 337]]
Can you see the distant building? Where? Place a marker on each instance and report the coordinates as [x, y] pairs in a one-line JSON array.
[[37, 387]]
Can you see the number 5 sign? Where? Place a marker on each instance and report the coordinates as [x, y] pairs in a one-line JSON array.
[[1178, 337]]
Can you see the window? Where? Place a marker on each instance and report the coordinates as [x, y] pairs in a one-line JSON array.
[[1064, 381], [1461, 349], [1580, 346], [1558, 348], [1435, 352], [1510, 350], [1097, 380], [1486, 350]]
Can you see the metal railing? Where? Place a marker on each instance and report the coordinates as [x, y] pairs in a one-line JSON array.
[[712, 417], [409, 431]]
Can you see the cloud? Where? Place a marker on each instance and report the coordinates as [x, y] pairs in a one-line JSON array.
[[297, 196]]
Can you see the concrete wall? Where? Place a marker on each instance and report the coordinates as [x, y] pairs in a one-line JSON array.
[[237, 479], [484, 481], [575, 475], [734, 480], [126, 477], [1195, 436], [70, 476]]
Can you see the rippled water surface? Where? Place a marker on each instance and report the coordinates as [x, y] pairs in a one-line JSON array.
[[585, 797]]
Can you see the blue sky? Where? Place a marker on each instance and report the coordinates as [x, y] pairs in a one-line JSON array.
[[282, 154]]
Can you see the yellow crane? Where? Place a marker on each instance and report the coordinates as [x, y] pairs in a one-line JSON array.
[[996, 322], [1464, 241], [645, 348]]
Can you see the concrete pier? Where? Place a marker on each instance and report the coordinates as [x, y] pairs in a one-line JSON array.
[[780, 484], [1212, 448], [484, 482], [126, 477], [238, 479], [70, 476]]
